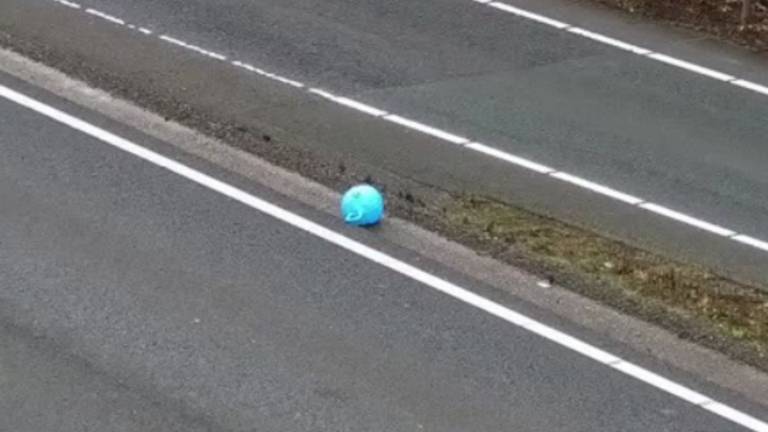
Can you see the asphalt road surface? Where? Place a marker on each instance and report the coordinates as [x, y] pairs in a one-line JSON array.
[[662, 133], [134, 299]]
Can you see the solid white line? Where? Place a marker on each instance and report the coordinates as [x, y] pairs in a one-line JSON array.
[[387, 261], [701, 70], [516, 160], [610, 41], [736, 416], [530, 15], [598, 188], [751, 86], [751, 241], [107, 17], [429, 130], [690, 220], [662, 383]]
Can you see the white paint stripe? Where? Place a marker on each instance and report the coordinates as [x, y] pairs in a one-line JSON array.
[[598, 188], [145, 30], [107, 17], [429, 130], [610, 41], [736, 416], [751, 241], [756, 243], [269, 75], [661, 383], [387, 261], [68, 4], [322, 93], [690, 220], [701, 70], [191, 47], [673, 61], [349, 103], [516, 160], [751, 86], [530, 15]]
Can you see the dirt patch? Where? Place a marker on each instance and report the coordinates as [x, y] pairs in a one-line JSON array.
[[694, 302], [721, 18]]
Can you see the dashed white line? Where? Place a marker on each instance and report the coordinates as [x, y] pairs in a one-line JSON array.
[[68, 4], [529, 15], [499, 154], [191, 47], [701, 70], [269, 75], [349, 103], [660, 57], [429, 130], [610, 41], [105, 16], [507, 157], [597, 188], [690, 220], [392, 263]]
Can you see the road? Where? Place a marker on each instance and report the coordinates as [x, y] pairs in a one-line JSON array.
[[137, 299], [645, 128]]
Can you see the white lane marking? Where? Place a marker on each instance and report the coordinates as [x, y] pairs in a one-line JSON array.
[[513, 159], [429, 130], [191, 47], [105, 16], [529, 15], [349, 103], [659, 381], [68, 4], [670, 60], [597, 188], [145, 30], [405, 269], [751, 241], [270, 75], [507, 157], [610, 41], [690, 220], [701, 70], [736, 416], [751, 86]]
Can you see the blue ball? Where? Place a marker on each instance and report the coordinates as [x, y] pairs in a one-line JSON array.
[[362, 205]]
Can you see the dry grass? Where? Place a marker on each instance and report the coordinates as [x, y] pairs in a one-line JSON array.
[[653, 284], [721, 18]]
